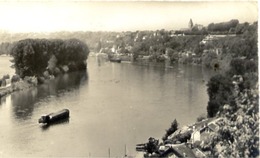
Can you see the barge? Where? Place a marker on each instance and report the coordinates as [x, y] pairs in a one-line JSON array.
[[55, 117]]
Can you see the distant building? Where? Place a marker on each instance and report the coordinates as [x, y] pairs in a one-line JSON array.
[[190, 25], [209, 38], [198, 26]]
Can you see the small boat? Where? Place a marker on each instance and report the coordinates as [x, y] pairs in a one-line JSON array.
[[141, 147], [118, 60], [54, 117]]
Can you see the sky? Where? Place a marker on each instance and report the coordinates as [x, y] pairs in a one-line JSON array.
[[54, 15]]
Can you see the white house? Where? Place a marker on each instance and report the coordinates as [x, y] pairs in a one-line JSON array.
[[202, 133]]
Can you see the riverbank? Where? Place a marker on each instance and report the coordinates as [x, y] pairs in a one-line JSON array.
[[229, 134], [18, 86]]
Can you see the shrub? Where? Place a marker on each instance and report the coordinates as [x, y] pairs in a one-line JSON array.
[[15, 78], [201, 117]]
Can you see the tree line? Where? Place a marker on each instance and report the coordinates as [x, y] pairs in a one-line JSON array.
[[243, 53]]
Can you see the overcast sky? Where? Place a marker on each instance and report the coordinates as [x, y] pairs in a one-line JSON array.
[[39, 16]]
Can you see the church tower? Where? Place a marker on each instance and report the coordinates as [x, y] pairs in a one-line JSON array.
[[190, 24]]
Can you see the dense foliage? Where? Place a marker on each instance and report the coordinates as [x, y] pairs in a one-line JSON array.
[[164, 45], [243, 63], [238, 135], [221, 87], [171, 130], [36, 57], [223, 26], [6, 47], [220, 92]]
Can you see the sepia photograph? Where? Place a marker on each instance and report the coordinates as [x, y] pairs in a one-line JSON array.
[[129, 79]]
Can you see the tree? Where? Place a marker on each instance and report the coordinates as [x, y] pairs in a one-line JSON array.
[[241, 66], [98, 46], [208, 58], [223, 26], [211, 27], [213, 108], [171, 130], [220, 91], [240, 28], [52, 63]]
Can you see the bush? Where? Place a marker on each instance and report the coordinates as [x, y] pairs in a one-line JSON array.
[[201, 117], [249, 81], [247, 68], [15, 78], [184, 137], [237, 67]]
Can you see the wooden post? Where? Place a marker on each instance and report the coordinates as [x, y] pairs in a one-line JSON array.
[[108, 152], [125, 151]]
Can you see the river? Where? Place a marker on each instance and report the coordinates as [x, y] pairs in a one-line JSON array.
[[112, 106]]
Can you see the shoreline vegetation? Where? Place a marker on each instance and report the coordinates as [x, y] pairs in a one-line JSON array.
[[232, 132], [213, 46], [231, 126], [38, 60], [17, 84]]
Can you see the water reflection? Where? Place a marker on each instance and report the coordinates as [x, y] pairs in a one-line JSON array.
[[57, 123], [23, 101], [131, 102], [63, 82], [101, 59], [2, 100]]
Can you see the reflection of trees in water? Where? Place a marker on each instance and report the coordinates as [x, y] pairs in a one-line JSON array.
[[61, 122], [2, 100], [62, 83], [71, 80], [23, 101], [194, 76], [101, 59]]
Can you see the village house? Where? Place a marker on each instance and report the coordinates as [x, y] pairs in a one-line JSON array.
[[5, 81], [198, 153], [202, 131], [210, 38], [177, 150]]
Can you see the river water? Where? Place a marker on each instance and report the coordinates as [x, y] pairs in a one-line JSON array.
[[113, 106]]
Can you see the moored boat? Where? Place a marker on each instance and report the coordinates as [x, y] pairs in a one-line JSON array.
[[118, 60], [54, 117]]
